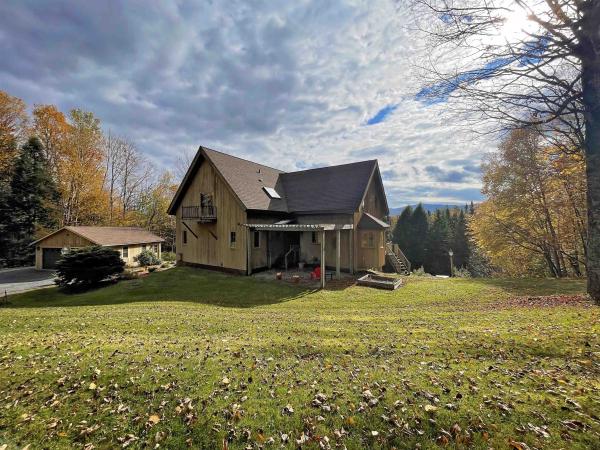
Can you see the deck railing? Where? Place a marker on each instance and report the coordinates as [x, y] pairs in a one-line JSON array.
[[395, 248], [208, 213]]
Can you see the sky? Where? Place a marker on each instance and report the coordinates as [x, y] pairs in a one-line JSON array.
[[292, 85]]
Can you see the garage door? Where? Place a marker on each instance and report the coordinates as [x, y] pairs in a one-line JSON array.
[[50, 257]]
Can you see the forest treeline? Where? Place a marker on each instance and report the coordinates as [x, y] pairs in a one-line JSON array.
[[59, 169], [531, 223]]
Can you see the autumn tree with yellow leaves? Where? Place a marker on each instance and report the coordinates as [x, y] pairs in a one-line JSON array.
[[13, 126], [533, 221], [101, 179]]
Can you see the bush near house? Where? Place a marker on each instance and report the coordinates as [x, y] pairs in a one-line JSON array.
[[168, 256], [147, 258], [88, 266]]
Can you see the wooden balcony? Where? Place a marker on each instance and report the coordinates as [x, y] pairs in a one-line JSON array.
[[203, 214]]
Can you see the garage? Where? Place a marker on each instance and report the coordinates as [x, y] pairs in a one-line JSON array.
[[129, 241], [50, 257]]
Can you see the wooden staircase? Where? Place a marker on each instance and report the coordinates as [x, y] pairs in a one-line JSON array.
[[396, 259]]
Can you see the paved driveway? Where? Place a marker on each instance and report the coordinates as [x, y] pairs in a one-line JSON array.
[[24, 279]]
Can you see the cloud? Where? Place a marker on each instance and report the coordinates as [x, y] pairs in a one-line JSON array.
[[452, 175], [289, 84], [378, 151]]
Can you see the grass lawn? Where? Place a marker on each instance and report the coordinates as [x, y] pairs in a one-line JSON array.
[[192, 358]]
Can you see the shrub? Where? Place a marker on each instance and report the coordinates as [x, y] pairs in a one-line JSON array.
[[147, 258], [88, 266], [168, 256], [462, 272], [128, 275], [420, 272]]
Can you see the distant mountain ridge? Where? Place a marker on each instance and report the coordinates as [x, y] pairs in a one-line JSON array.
[[430, 207]]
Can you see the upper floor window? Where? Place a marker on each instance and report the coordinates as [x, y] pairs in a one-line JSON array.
[[206, 199]]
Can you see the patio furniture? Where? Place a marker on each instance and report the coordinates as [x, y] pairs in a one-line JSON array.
[[316, 274]]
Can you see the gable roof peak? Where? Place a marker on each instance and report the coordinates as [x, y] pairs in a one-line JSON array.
[[339, 188]]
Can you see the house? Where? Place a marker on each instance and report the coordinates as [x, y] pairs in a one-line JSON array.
[[240, 216], [129, 242]]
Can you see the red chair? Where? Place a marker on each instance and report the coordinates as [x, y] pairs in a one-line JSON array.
[[316, 274]]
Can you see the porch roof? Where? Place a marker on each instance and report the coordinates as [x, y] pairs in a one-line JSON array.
[[298, 226], [369, 222]]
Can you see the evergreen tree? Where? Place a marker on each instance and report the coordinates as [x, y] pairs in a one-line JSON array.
[[402, 234], [418, 241], [29, 202], [436, 256], [460, 241]]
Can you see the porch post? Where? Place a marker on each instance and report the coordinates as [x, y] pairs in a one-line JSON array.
[[351, 244], [323, 259], [249, 250], [338, 253]]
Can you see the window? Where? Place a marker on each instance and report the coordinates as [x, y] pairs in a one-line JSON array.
[[315, 237], [368, 239], [125, 252], [155, 248], [206, 200], [232, 239], [184, 237], [272, 193], [256, 236]]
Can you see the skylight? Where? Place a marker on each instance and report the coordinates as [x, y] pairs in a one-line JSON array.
[[271, 192]]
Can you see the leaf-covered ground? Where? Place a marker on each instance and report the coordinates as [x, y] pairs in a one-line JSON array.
[[192, 358]]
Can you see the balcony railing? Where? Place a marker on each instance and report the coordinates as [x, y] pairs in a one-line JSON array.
[[201, 213]]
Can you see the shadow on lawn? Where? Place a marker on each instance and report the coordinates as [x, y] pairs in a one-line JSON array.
[[182, 284]]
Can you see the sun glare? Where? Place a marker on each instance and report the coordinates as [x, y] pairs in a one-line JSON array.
[[515, 25]]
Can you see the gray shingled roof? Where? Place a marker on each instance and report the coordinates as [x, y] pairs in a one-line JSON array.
[[332, 189], [247, 179], [328, 189]]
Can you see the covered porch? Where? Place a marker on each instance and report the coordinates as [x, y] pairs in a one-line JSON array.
[[310, 241]]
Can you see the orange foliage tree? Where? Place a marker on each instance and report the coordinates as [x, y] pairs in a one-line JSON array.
[[533, 221]]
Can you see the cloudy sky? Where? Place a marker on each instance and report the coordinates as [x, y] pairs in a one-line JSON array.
[[291, 84]]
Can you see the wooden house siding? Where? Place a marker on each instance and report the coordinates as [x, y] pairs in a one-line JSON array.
[[237, 189], [309, 251], [62, 239], [374, 204], [208, 243], [68, 239]]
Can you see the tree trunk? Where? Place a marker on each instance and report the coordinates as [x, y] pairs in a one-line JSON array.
[[590, 78]]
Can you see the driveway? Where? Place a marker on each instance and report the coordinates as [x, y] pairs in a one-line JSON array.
[[24, 279]]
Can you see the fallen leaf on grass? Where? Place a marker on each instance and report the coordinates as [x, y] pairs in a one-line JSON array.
[[153, 420], [518, 445], [430, 408]]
